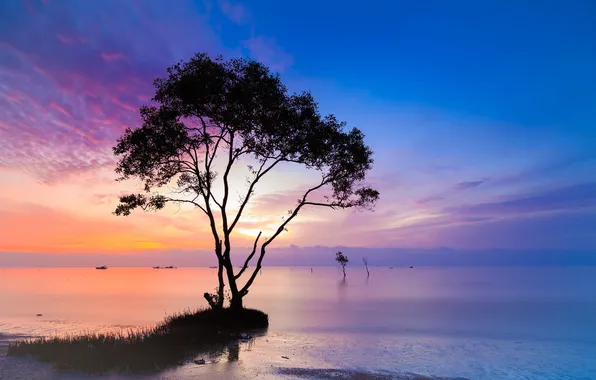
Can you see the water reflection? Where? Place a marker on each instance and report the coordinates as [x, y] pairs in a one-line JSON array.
[[233, 351], [487, 301], [420, 313]]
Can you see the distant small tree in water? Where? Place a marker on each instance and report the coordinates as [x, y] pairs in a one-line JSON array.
[[342, 260], [213, 113], [365, 261]]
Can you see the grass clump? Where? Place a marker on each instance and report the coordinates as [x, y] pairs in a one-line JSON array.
[[178, 338]]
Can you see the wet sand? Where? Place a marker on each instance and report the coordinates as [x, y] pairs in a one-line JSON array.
[[269, 359], [29, 369]]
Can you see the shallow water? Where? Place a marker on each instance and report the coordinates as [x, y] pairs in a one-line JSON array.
[[479, 323]]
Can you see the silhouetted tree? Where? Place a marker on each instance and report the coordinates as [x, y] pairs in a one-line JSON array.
[[365, 261], [211, 112], [342, 260]]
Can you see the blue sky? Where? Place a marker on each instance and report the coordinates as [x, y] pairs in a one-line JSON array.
[[482, 114], [497, 94]]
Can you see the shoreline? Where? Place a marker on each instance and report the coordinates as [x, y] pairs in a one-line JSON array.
[[30, 369], [267, 364], [5, 339]]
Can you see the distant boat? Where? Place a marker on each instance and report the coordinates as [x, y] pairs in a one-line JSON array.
[[156, 267], [102, 267], [411, 267], [213, 267], [170, 267]]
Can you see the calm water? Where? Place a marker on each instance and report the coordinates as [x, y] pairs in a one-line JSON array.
[[480, 323]]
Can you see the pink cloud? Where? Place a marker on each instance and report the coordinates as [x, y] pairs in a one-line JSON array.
[[15, 97], [60, 109], [78, 97], [112, 56], [67, 39], [47, 145], [124, 105], [429, 199]]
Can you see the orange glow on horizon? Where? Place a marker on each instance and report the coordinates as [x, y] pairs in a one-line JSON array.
[[74, 216]]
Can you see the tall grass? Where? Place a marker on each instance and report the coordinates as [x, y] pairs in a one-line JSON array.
[[178, 338]]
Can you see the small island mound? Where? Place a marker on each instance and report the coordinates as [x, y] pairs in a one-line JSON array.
[[175, 340]]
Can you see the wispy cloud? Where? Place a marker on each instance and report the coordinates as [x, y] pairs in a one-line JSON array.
[[266, 50], [546, 230], [429, 199], [469, 184], [69, 39], [569, 198], [548, 168], [445, 194], [112, 56], [70, 88]]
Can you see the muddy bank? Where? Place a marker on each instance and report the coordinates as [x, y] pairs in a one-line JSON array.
[[269, 358], [29, 369], [342, 374]]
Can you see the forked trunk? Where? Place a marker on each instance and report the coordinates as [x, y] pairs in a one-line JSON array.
[[236, 300], [236, 294]]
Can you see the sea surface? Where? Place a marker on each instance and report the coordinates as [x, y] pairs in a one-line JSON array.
[[475, 323]]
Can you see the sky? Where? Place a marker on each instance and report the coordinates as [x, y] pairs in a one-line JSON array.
[[481, 115]]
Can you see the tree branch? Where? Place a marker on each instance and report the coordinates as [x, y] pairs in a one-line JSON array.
[[293, 214], [226, 173], [207, 171], [208, 211], [250, 190], [279, 230], [214, 199], [224, 203], [219, 139], [333, 206], [168, 199], [254, 250]]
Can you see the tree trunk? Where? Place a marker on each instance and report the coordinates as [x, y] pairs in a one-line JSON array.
[[343, 267], [216, 301], [221, 287], [236, 302]]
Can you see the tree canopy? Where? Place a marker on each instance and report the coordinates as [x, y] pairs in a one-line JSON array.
[[214, 109]]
